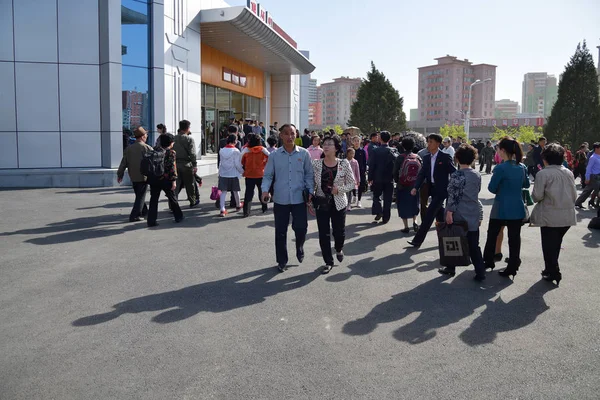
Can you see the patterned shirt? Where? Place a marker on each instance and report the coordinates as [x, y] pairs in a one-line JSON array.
[[170, 164]]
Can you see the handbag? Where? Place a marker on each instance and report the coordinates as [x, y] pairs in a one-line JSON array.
[[321, 203], [453, 244], [215, 193]]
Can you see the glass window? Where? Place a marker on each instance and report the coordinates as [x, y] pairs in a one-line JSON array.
[[226, 75], [209, 96], [222, 99], [237, 104], [254, 107], [135, 98], [243, 81], [135, 33]]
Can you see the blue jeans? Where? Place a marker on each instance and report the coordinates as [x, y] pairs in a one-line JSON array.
[[282, 220]]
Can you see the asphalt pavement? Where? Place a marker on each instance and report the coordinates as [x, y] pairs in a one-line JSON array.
[[95, 307]]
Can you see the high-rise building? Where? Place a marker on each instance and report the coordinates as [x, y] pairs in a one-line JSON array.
[[444, 89], [315, 115], [312, 91], [506, 108], [540, 91], [337, 98]]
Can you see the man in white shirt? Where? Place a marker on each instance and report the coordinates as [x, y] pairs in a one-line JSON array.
[[448, 149]]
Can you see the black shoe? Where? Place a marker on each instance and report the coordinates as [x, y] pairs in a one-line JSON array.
[[340, 256], [326, 269], [405, 230], [246, 214], [136, 219], [447, 271], [414, 244], [553, 277], [579, 207], [195, 204], [508, 272], [153, 225], [479, 278], [498, 257], [178, 220], [264, 208], [385, 221], [591, 205], [415, 226], [300, 253], [282, 267], [378, 217]]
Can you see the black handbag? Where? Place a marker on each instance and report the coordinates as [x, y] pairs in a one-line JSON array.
[[322, 203], [453, 245]]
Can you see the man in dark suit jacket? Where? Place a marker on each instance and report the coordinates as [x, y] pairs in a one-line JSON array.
[[381, 167], [443, 166]]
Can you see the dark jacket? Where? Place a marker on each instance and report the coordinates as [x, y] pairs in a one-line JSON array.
[[185, 148], [381, 163], [306, 141], [487, 154], [132, 160], [361, 156], [441, 173], [537, 155]]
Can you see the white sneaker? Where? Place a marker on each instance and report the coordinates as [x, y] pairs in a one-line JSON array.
[[359, 205]]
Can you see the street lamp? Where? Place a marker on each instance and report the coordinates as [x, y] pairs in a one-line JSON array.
[[468, 118]]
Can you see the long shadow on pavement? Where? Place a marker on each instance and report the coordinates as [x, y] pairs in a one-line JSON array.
[[216, 297], [440, 303], [504, 317]]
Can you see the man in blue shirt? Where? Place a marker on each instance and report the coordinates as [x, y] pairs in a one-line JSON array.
[[592, 177], [290, 170]]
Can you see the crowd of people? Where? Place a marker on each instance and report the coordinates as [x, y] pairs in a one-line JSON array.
[[326, 175]]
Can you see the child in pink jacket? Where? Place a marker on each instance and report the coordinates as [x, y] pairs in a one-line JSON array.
[[356, 172]]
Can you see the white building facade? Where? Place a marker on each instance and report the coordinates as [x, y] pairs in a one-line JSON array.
[[77, 76]]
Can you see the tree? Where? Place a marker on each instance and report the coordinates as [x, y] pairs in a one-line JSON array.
[[453, 131], [524, 134], [337, 129], [378, 105], [575, 116]]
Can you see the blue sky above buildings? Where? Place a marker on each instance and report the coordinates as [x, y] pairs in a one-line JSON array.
[[518, 36]]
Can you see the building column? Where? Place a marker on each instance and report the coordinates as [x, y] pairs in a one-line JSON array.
[[157, 67], [111, 123], [283, 91], [265, 103]]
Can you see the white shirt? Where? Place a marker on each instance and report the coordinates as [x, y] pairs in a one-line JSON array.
[[433, 158], [449, 150]]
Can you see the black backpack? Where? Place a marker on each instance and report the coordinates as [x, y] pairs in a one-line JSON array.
[[153, 164]]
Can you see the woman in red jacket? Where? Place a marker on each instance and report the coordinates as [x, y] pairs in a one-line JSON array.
[[254, 160]]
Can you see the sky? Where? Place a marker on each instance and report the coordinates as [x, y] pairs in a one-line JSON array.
[[399, 36]]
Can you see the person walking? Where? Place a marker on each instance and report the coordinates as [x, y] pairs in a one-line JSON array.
[[290, 170], [406, 170], [592, 178], [486, 157], [580, 164], [166, 183], [254, 160], [361, 157], [381, 168], [333, 179], [437, 167], [509, 178], [185, 149], [554, 192], [132, 159], [161, 129], [464, 206], [315, 149], [448, 149], [356, 174], [230, 168], [537, 155]]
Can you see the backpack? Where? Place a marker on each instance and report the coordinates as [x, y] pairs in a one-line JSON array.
[[153, 164], [410, 169]]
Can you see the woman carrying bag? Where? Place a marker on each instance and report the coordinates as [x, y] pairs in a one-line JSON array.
[[333, 180]]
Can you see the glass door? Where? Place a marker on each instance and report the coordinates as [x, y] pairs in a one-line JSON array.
[[210, 132]]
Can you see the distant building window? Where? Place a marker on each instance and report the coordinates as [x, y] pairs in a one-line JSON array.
[[226, 75], [485, 113]]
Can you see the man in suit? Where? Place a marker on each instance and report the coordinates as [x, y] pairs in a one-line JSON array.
[[381, 167], [437, 167]]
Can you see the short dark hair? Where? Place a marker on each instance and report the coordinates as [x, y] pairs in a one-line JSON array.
[[596, 145], [272, 141], [385, 136], [554, 154], [336, 141], [184, 125], [435, 136], [254, 140], [466, 154], [161, 127], [374, 134], [166, 140], [542, 138], [285, 126], [231, 139], [232, 129], [408, 143]]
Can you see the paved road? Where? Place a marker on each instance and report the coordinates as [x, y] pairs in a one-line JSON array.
[[93, 307]]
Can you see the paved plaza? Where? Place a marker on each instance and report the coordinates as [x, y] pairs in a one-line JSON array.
[[95, 307]]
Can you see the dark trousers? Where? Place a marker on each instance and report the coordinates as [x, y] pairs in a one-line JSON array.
[[551, 241], [475, 253], [139, 206], [155, 189], [588, 189], [580, 171], [185, 177], [282, 220], [362, 185], [251, 183], [423, 199], [435, 211], [514, 241], [385, 189], [328, 221]]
